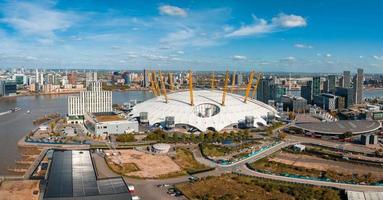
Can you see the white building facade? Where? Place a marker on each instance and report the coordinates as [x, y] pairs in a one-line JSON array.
[[95, 100]]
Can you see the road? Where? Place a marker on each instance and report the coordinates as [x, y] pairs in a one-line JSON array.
[[147, 188]]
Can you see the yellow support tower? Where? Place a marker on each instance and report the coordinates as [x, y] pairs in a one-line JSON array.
[[191, 88], [156, 82], [152, 84], [163, 87], [233, 83], [249, 86], [171, 82], [225, 88], [256, 85], [212, 81]]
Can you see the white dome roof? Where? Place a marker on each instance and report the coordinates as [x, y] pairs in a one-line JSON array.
[[220, 116]]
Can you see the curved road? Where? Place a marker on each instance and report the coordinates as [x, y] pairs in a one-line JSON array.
[[147, 188]]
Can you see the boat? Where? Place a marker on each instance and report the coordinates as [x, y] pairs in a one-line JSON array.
[[15, 109], [28, 112]]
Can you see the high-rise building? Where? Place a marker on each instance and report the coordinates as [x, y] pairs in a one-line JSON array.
[[346, 79], [307, 91], [145, 82], [90, 77], [358, 86], [8, 88], [268, 90], [316, 86], [37, 76], [347, 94], [326, 101], [95, 100], [264, 92], [41, 79], [238, 79], [331, 81]]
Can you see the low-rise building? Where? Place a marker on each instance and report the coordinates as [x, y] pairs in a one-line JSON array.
[[109, 123]]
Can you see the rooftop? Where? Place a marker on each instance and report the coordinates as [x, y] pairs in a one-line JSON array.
[[207, 111], [72, 176], [341, 126], [108, 118]]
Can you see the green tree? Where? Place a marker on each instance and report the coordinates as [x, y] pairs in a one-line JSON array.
[[201, 137]]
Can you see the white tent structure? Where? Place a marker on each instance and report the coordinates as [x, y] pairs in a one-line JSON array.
[[207, 112]]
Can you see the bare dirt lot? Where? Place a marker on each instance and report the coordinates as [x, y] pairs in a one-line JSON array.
[[149, 166], [312, 162], [20, 190]]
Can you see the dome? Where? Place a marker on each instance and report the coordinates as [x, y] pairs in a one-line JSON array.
[[207, 112]]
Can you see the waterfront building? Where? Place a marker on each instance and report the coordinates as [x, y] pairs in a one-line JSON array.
[[358, 86], [92, 101], [145, 79], [346, 79], [109, 123], [20, 79], [72, 78], [238, 79], [8, 88], [90, 77]]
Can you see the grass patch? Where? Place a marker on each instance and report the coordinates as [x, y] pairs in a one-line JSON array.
[[185, 159], [123, 169], [264, 165], [230, 186]]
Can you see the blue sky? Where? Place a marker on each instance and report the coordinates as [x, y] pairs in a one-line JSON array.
[[272, 35]]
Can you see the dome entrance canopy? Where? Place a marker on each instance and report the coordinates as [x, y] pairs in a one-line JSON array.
[[206, 110]]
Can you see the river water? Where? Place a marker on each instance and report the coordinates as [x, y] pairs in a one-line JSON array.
[[14, 126]]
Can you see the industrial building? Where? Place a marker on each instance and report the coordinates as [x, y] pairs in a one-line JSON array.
[[72, 176]]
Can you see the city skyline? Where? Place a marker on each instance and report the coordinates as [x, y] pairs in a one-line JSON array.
[[291, 36]]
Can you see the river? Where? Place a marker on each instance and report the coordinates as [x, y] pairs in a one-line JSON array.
[[15, 125]]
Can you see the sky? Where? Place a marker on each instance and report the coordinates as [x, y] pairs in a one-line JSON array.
[[273, 35]]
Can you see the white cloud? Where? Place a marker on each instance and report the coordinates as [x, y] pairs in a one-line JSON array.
[[328, 55], [261, 26], [289, 21], [239, 57], [178, 36], [303, 46], [172, 11], [36, 19], [180, 52], [378, 57]]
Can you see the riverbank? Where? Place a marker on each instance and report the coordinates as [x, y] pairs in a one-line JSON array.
[[70, 92]]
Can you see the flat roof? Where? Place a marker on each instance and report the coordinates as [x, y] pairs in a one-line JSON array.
[[340, 127], [357, 195], [108, 118], [72, 176]]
